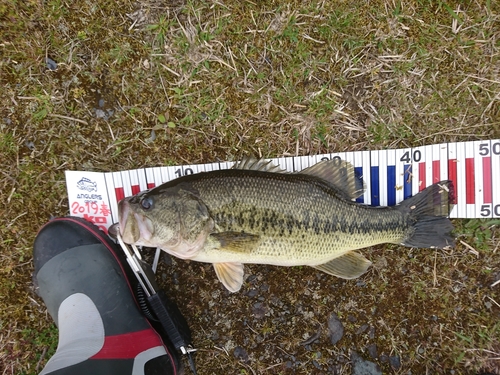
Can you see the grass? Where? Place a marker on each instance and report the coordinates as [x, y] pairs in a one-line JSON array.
[[217, 79]]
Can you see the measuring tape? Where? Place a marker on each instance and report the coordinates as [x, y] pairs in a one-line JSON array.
[[390, 177]]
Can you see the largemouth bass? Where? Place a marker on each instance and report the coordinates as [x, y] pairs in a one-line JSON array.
[[257, 213]]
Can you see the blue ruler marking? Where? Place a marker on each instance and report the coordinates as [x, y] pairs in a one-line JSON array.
[[407, 181], [359, 172], [375, 187], [391, 185]]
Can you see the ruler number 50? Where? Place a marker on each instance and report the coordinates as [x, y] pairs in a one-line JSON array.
[[484, 149], [486, 210]]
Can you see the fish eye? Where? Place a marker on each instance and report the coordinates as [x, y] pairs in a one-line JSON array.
[[147, 203]]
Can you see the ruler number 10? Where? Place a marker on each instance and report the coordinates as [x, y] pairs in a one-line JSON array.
[[484, 149], [187, 171], [408, 156]]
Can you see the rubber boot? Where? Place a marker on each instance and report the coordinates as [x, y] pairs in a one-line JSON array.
[[86, 284]]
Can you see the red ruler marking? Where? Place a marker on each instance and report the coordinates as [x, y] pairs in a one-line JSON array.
[[436, 171], [119, 193], [151, 185], [136, 189], [470, 196], [452, 175], [488, 196], [421, 177]]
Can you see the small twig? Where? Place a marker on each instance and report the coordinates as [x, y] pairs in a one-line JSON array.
[[68, 118], [248, 367], [164, 89], [312, 338], [17, 217], [272, 366], [223, 349], [483, 350], [492, 300], [452, 130], [305, 36], [471, 249], [42, 356], [111, 131], [435, 270]]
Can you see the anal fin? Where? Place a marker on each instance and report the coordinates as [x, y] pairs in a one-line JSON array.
[[347, 266], [230, 274]]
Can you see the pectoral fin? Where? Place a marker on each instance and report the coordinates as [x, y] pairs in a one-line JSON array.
[[230, 274], [348, 266], [239, 242]]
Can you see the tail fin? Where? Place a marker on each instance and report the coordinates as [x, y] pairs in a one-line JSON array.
[[428, 215]]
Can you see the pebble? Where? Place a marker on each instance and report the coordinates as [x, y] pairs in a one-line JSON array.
[[99, 113], [371, 335], [362, 329], [166, 258], [336, 328], [395, 362], [372, 350], [152, 137], [252, 293], [264, 287], [30, 145], [361, 366], [240, 353], [214, 335], [360, 283], [51, 64], [259, 310]]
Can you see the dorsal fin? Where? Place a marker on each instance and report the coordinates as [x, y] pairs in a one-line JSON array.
[[249, 162], [339, 173]]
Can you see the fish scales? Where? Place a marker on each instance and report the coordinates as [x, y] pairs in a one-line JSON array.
[[308, 215], [257, 213]]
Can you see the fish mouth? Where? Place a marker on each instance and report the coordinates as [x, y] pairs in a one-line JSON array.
[[134, 228]]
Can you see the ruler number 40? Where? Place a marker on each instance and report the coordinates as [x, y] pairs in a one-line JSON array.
[[484, 149], [408, 157]]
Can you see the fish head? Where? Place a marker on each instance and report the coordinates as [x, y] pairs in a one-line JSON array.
[[170, 219], [138, 215]]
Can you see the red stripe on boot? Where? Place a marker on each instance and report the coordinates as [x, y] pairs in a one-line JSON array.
[[128, 345]]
